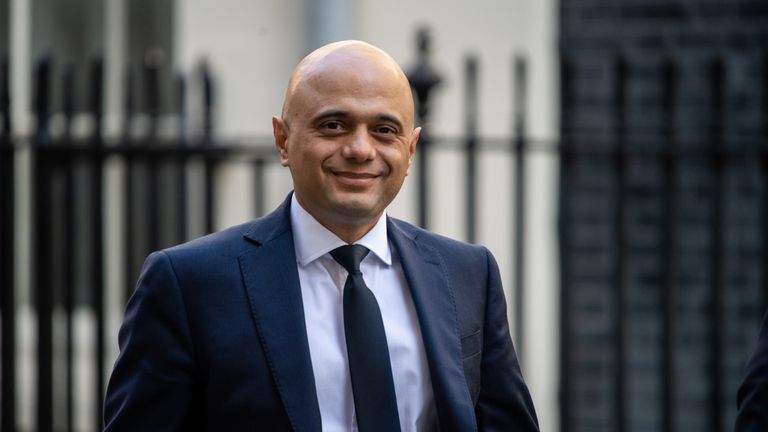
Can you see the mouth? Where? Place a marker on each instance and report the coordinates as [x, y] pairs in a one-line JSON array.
[[355, 179]]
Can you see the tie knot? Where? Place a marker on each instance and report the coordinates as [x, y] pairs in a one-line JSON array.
[[350, 256]]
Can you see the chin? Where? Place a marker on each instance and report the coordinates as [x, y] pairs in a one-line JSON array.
[[356, 209]]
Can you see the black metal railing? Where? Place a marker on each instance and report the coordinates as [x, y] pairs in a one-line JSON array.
[[676, 309], [69, 223], [69, 219], [7, 255]]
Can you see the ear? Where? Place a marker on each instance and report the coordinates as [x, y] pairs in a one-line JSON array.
[[280, 132], [412, 147]]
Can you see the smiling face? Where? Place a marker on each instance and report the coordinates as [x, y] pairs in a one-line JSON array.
[[346, 134]]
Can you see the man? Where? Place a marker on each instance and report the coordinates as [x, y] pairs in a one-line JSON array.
[[280, 324], [752, 398]]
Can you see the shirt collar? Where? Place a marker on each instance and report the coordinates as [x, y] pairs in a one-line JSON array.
[[312, 240]]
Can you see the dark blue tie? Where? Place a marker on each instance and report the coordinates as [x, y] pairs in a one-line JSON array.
[[367, 352]]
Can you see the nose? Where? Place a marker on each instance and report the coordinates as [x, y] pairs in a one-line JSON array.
[[360, 146]]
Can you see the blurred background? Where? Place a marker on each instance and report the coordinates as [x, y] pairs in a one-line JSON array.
[[611, 154]]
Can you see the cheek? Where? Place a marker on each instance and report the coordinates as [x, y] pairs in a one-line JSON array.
[[396, 159], [308, 166]]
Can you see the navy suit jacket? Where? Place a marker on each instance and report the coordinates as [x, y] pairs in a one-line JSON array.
[[752, 397], [214, 336]]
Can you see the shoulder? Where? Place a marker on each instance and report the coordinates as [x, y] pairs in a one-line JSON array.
[[450, 249], [227, 242], [235, 240]]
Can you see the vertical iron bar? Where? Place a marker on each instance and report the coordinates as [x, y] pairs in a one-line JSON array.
[[423, 78], [43, 292], [471, 145], [564, 236], [68, 223], [520, 149], [129, 231], [7, 258], [210, 163], [764, 188], [151, 187], [182, 215], [208, 101], [97, 236], [259, 187], [209, 182], [42, 231], [422, 158], [5, 96], [717, 254], [669, 260], [620, 245]]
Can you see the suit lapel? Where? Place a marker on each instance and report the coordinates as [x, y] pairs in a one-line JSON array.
[[433, 298], [272, 282]]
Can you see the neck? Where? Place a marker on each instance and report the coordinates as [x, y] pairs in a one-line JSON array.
[[350, 234], [349, 230]]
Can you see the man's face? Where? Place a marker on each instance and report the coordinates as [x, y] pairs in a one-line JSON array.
[[347, 138]]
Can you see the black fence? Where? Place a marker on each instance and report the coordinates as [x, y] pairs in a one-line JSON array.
[[68, 220], [663, 238], [69, 223], [68, 249], [7, 262]]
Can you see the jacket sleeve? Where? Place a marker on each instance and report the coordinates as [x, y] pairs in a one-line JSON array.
[[504, 403], [752, 397], [152, 387]]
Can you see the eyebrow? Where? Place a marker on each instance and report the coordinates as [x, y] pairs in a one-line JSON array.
[[329, 114], [391, 119], [335, 113]]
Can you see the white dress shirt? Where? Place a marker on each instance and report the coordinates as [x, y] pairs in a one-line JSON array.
[[322, 284]]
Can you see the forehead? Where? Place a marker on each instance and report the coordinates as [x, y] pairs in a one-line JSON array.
[[355, 81]]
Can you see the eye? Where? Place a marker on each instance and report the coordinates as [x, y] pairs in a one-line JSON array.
[[385, 130], [332, 125]]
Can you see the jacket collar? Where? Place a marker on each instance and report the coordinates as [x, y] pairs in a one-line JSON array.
[[434, 299], [271, 280]]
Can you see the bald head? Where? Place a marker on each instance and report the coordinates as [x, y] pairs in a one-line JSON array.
[[346, 63], [346, 133]]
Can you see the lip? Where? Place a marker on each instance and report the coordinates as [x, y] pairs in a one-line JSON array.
[[355, 179]]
